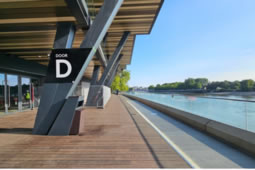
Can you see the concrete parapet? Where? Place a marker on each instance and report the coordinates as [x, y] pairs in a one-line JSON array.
[[240, 138], [236, 137]]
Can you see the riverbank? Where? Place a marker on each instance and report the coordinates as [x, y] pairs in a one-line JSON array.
[[204, 93], [246, 94]]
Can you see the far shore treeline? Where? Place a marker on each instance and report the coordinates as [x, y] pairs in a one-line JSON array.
[[204, 84]]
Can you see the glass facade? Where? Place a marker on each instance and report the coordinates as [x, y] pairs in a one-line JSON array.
[[17, 93], [26, 93], [35, 92], [12, 93]]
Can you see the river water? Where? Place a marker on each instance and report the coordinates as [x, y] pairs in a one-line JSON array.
[[240, 114]]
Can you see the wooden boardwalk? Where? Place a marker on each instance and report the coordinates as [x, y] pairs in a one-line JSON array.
[[109, 138]]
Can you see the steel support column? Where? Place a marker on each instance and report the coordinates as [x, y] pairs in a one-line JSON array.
[[114, 57], [103, 59], [80, 11], [64, 35], [19, 93], [6, 94], [112, 74], [54, 94], [63, 122], [100, 55], [96, 34], [109, 83], [94, 93], [95, 75]]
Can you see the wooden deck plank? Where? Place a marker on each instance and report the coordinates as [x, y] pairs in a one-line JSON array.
[[109, 138]]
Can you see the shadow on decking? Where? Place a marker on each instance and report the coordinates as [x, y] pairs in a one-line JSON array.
[[16, 130], [217, 145], [157, 160]]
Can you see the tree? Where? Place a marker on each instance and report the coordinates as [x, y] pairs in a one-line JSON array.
[[202, 81], [151, 87], [190, 83], [123, 85], [227, 85], [199, 83], [116, 83], [120, 81], [236, 85], [247, 85]]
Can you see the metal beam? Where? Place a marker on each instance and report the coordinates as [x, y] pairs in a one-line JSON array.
[[116, 65], [80, 11], [96, 34], [64, 35], [112, 76], [19, 93], [54, 94], [100, 55], [114, 57], [11, 63], [5, 93], [51, 102], [105, 40], [95, 75], [113, 72], [103, 44], [96, 91], [63, 122]]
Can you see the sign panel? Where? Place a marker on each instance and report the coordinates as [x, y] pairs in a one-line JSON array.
[[65, 64]]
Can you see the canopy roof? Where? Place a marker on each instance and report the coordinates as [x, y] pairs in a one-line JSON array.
[[28, 27]]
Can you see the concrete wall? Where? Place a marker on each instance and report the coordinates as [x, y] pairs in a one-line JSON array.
[[236, 137], [85, 90], [106, 95], [82, 90], [98, 96]]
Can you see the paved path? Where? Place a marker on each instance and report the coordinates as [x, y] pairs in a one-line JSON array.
[[109, 138], [203, 150], [163, 153]]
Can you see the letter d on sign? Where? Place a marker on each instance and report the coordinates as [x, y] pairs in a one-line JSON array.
[[69, 68]]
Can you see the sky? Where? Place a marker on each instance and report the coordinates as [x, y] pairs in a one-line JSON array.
[[214, 39], [12, 80]]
